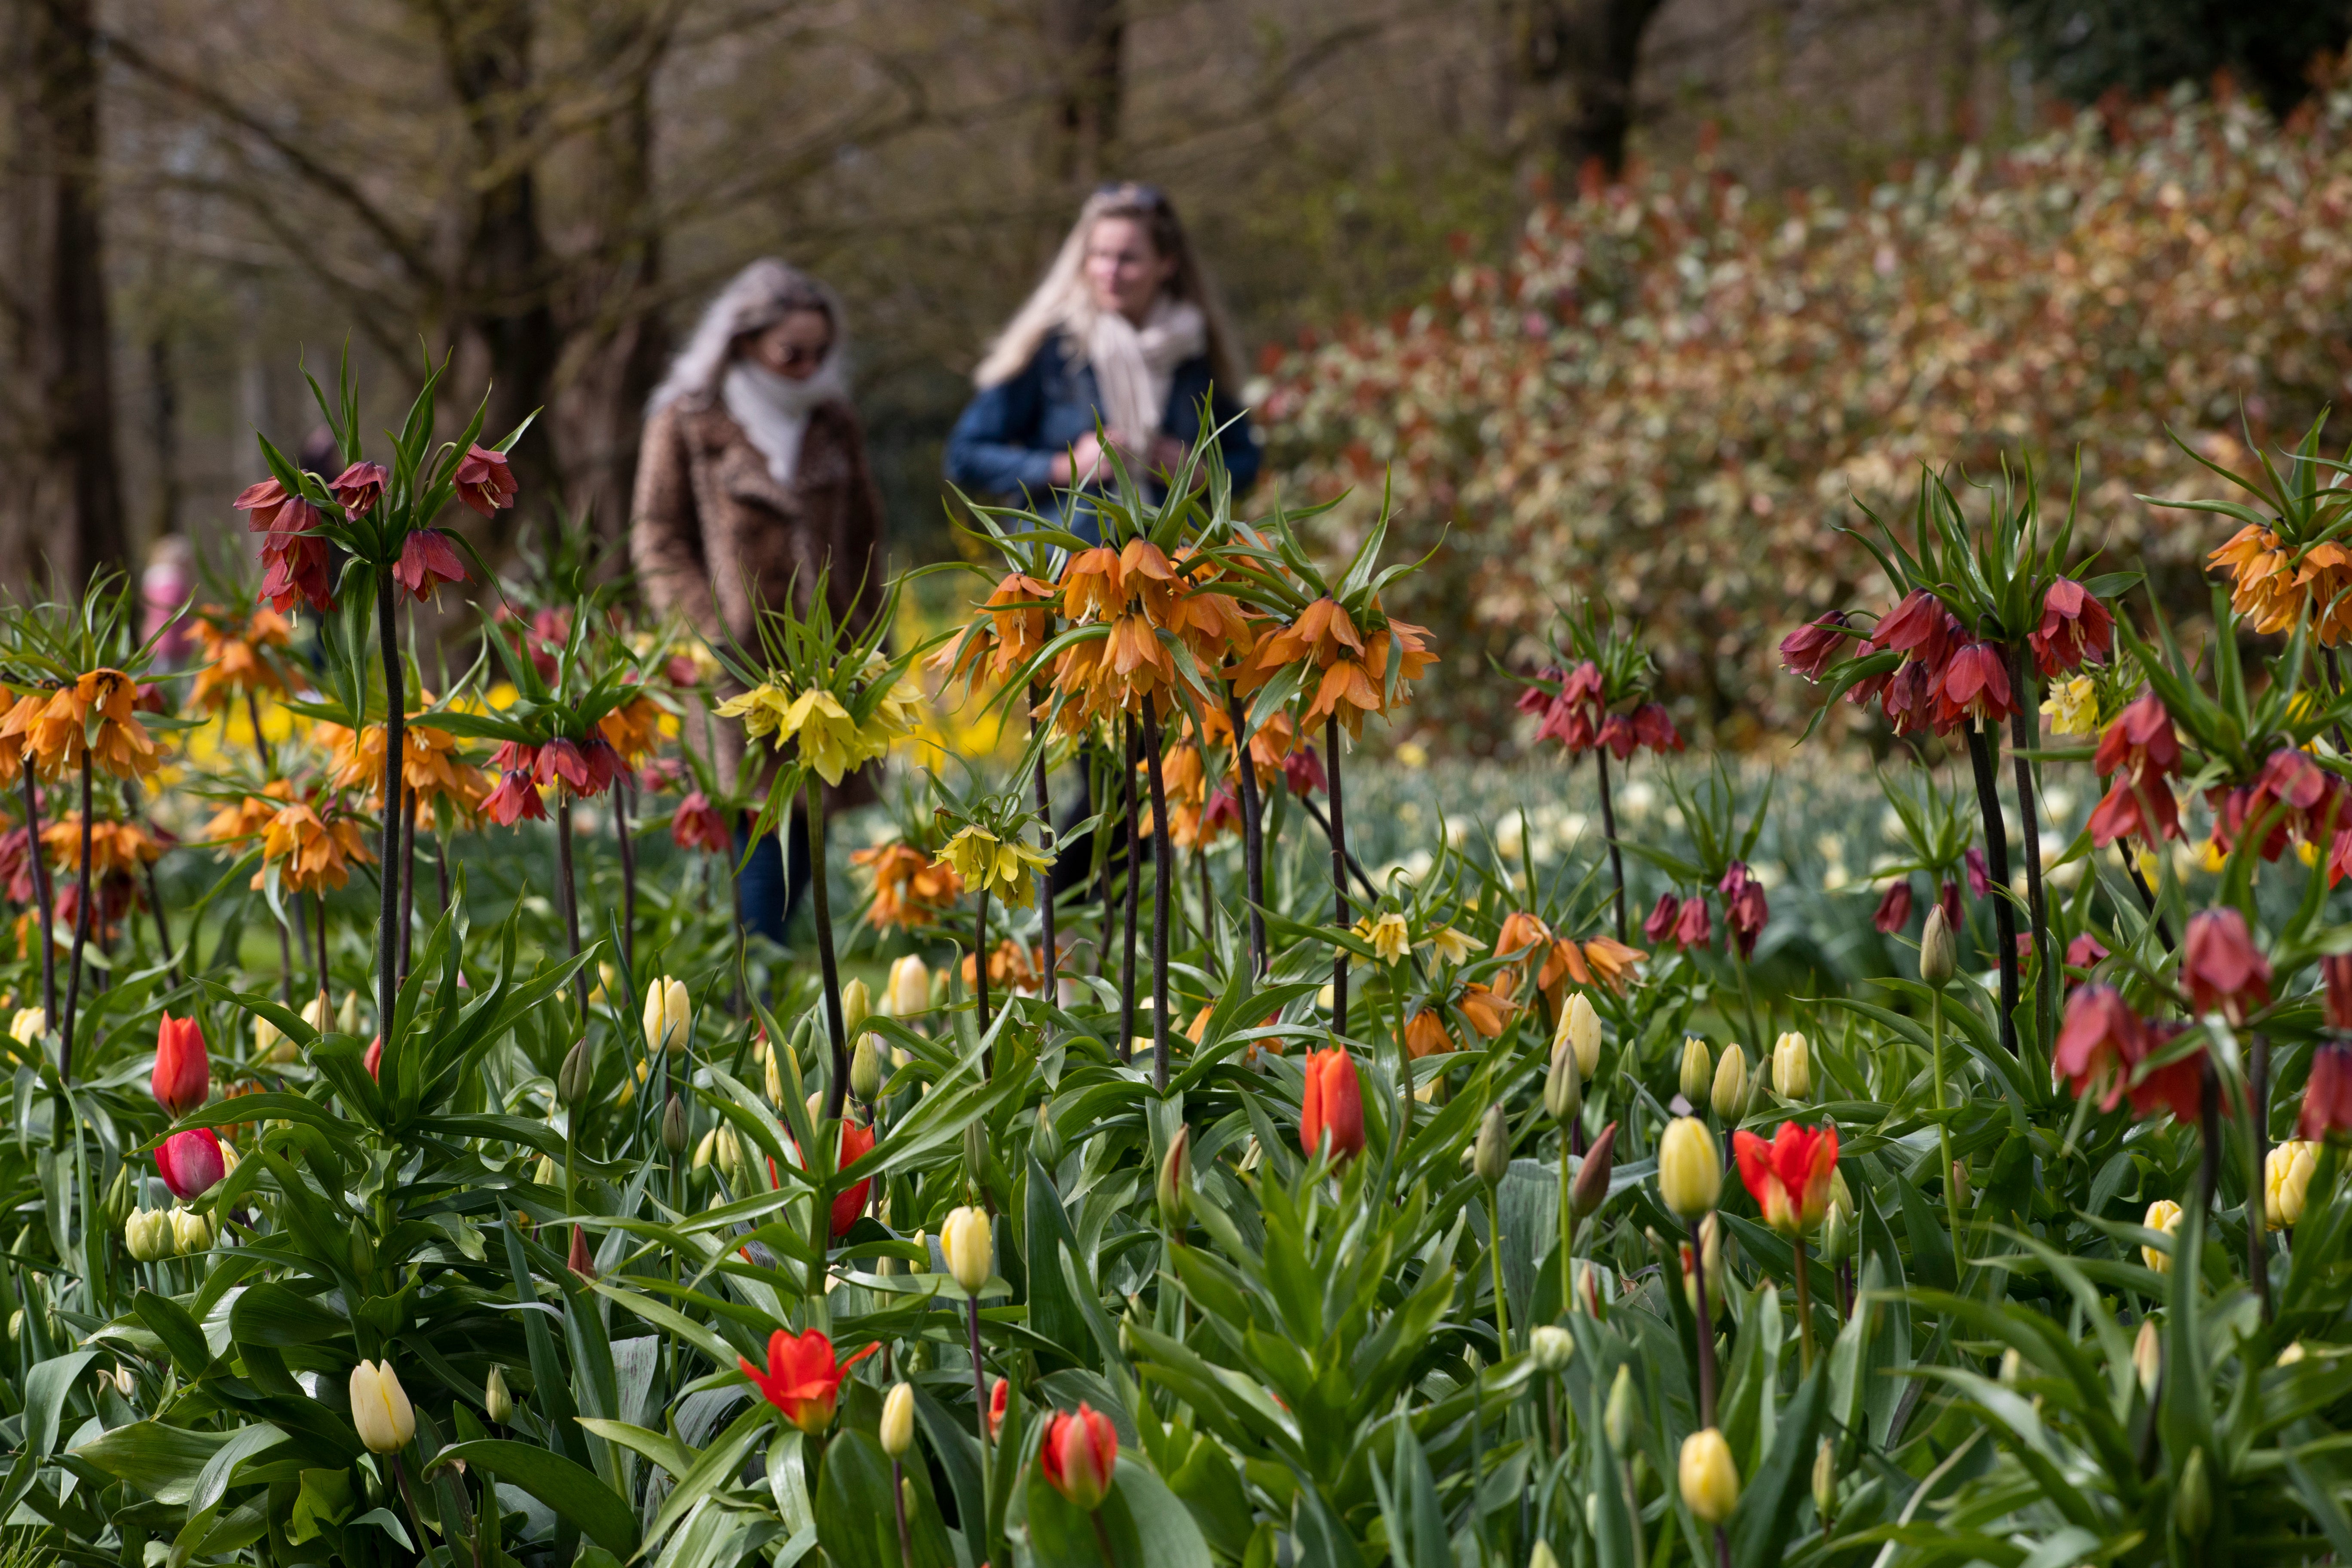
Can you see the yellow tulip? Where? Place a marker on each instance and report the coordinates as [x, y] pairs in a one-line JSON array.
[[668, 1014], [1792, 1066], [2163, 1215], [910, 990], [380, 1408], [1690, 1171], [898, 1420], [1710, 1480], [969, 1249], [2286, 1182]]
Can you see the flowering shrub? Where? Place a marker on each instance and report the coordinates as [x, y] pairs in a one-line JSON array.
[[1675, 393]]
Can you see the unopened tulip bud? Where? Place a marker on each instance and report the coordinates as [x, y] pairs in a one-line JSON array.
[[856, 1006], [1690, 1170], [2013, 1367], [975, 1151], [1044, 1142], [316, 1014], [380, 1408], [191, 1232], [2192, 1505], [910, 987], [121, 1198], [1963, 1196], [865, 1069], [2148, 1354], [1699, 1071], [674, 1128], [147, 1234], [705, 1150], [1938, 953], [572, 1080], [1617, 1416], [1837, 1235], [1552, 1346], [1490, 1155], [1175, 1186], [269, 1042], [1581, 1026], [1710, 1480], [1729, 1095], [668, 1014], [1541, 1557], [1563, 1085], [1825, 1479], [772, 1077], [2286, 1182], [729, 1155], [969, 1249], [898, 1420], [1792, 1066], [1592, 1189], [496, 1402], [347, 1016], [2292, 1354]]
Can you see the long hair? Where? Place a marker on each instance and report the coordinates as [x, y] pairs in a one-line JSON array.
[[756, 298], [1063, 303]]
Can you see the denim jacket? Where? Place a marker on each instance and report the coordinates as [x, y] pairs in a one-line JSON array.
[[1005, 445]]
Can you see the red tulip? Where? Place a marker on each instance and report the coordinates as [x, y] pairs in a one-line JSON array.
[[1080, 1455], [2100, 1040], [485, 482], [2221, 968], [1692, 927], [1334, 1106], [2336, 979], [358, 487], [1789, 1176], [698, 825], [514, 800], [1660, 923], [1654, 728], [2075, 627], [998, 1392], [182, 1078], [803, 1379], [426, 561], [856, 1141], [1975, 685], [1812, 649], [191, 1163], [1893, 910], [2328, 1097], [374, 1059], [2140, 742]]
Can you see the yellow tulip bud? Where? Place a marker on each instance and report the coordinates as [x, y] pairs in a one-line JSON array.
[[191, 1232], [1699, 1071], [496, 1402], [1792, 1066], [2163, 1215], [910, 987], [380, 1408], [775, 1083], [856, 1006], [898, 1420], [669, 1015], [969, 1247], [347, 1016], [1552, 1346], [1580, 1027], [865, 1069], [1729, 1096], [2148, 1354], [1710, 1480], [1939, 953], [30, 1024], [2286, 1182], [147, 1234], [1490, 1152], [1825, 1479], [314, 1011], [1563, 1085], [1617, 1416], [2292, 1354], [1690, 1171]]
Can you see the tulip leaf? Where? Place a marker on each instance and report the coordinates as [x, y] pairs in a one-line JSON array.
[[858, 1517], [181, 1334], [1143, 1523], [571, 1489], [45, 1387]]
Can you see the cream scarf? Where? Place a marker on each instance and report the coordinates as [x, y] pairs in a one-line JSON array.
[[773, 410], [1136, 366]]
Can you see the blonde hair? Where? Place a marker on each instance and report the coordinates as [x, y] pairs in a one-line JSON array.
[[1063, 303]]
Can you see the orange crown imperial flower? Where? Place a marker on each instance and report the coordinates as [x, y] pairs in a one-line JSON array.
[[117, 741], [312, 853], [910, 889], [1789, 1176]]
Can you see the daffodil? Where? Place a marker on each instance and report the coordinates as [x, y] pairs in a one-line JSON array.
[[1388, 936], [992, 865]]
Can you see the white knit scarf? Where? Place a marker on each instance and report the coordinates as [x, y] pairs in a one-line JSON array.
[[1136, 366], [773, 410]]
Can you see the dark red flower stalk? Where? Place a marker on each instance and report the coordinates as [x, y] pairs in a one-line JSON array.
[[2335, 985]]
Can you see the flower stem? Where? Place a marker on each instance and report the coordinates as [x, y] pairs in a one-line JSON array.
[[1944, 1128], [1134, 856], [81, 933], [1567, 1230], [1045, 834], [1495, 1254], [1253, 836], [2258, 1092], [567, 893], [1164, 894], [980, 975], [396, 745], [407, 875], [1609, 831], [2022, 736], [1804, 1305], [1339, 827], [41, 896], [980, 1405], [628, 848], [1706, 1328], [1981, 741], [821, 907], [898, 1500]]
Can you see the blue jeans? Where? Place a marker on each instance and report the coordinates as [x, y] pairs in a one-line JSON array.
[[771, 885]]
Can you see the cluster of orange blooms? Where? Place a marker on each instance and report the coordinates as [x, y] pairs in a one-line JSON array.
[[232, 662], [1011, 968], [1199, 813], [634, 729], [2273, 587], [910, 888], [316, 843], [430, 767], [1598, 960], [53, 729], [115, 848]]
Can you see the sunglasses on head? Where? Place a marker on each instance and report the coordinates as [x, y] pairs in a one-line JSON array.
[[1149, 197]]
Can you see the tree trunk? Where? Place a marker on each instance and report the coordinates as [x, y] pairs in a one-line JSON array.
[[1573, 64], [64, 466], [1083, 41]]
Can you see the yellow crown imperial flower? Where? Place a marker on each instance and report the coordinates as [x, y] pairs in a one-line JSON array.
[[992, 865]]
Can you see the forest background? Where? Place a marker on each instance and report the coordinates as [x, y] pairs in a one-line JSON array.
[[198, 191]]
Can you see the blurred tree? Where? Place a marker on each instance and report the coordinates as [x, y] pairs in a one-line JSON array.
[[2087, 47], [60, 495], [1084, 40], [1574, 62]]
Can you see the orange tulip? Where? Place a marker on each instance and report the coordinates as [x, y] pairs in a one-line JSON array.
[[1334, 1106]]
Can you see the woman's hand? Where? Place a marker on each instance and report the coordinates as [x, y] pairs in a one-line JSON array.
[[1081, 462]]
